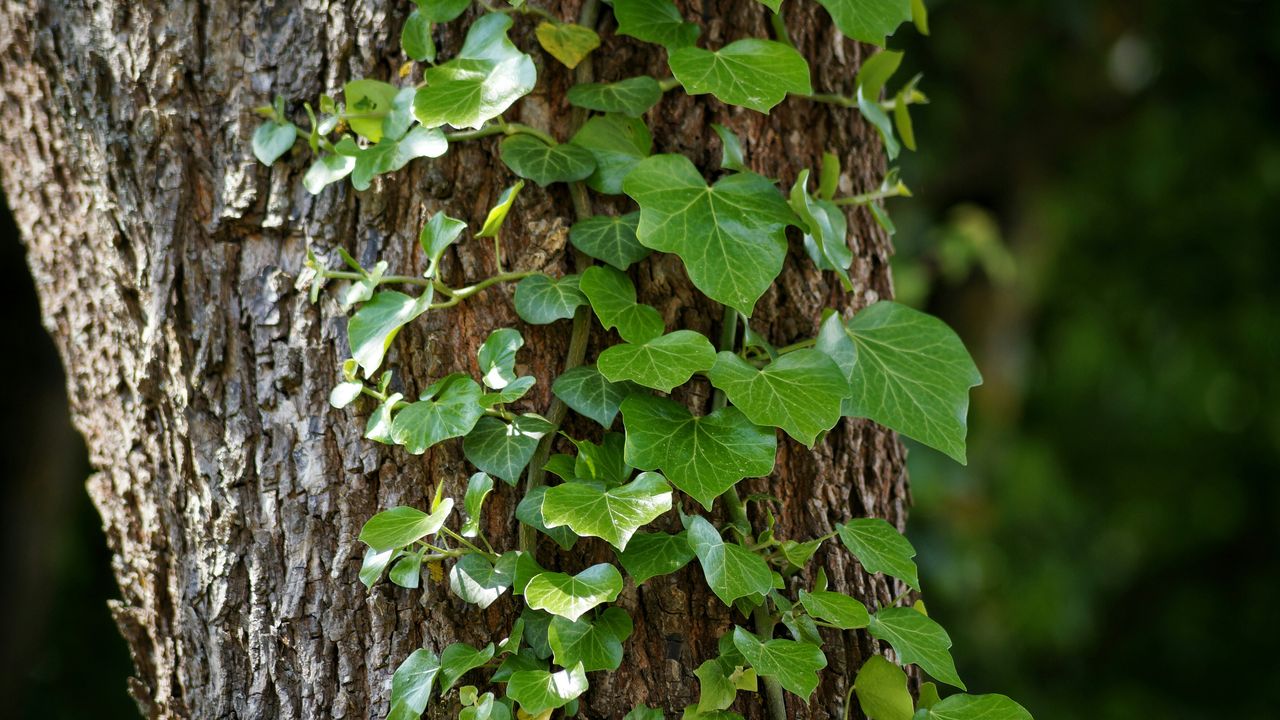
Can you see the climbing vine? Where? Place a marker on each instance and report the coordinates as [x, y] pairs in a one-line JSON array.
[[889, 363]]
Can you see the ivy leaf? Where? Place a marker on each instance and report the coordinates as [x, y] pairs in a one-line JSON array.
[[917, 639], [731, 157], [799, 392], [344, 393], [611, 514], [794, 664], [975, 707], [540, 690], [401, 526], [479, 486], [440, 11], [826, 230], [633, 96], [326, 170], [928, 696], [377, 322], [836, 608], [504, 449], [407, 572], [907, 371], [458, 659], [876, 71], [752, 73], [798, 554], [868, 20], [411, 685], [375, 562], [273, 139], [880, 548], [661, 363], [618, 144], [529, 512], [604, 462], [731, 570], [703, 456], [644, 712], [879, 119], [415, 38], [486, 707], [567, 42], [595, 644], [588, 393], [655, 21], [378, 427], [730, 236], [569, 596], [437, 235], [609, 238], [613, 298], [882, 690], [480, 582], [487, 77], [540, 300], [368, 101], [651, 554], [497, 357], [533, 159], [719, 681], [449, 408], [498, 213]]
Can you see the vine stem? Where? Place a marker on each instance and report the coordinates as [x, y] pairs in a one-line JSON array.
[[865, 198], [772, 689], [732, 502]]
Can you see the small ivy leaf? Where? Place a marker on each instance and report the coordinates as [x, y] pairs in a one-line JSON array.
[[649, 555], [497, 357], [604, 462], [928, 696], [375, 562], [918, 640], [876, 115], [829, 179], [800, 392], [416, 40], [880, 548], [401, 526], [480, 582], [411, 685], [661, 363], [798, 554], [731, 157], [589, 393], [975, 707], [609, 238], [503, 449], [719, 681], [826, 229], [486, 707], [611, 514], [907, 371], [868, 20], [655, 21], [794, 664], [437, 235], [525, 567], [273, 139], [920, 16], [836, 608], [729, 236], [533, 159], [902, 113], [618, 143], [498, 213], [633, 96], [562, 466], [368, 101], [378, 427], [525, 659], [449, 408], [595, 644], [479, 486], [876, 71], [536, 624], [377, 322], [458, 659], [407, 572], [701, 456], [569, 596], [613, 298], [391, 154], [567, 42], [644, 712], [538, 691], [540, 299], [755, 74], [529, 512], [326, 170], [345, 393], [514, 390], [731, 570], [487, 77], [441, 11], [691, 712], [882, 690]]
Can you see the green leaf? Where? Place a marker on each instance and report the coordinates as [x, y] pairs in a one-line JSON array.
[[902, 119], [651, 554], [480, 582], [411, 684], [509, 394], [868, 20], [415, 38], [794, 664], [541, 690], [609, 238], [661, 363], [486, 707], [595, 644], [449, 408], [373, 327], [928, 696], [720, 679], [826, 229], [633, 96], [378, 428], [611, 514], [730, 236], [880, 548], [344, 393], [907, 371], [752, 73], [540, 300], [375, 562], [368, 101], [604, 462], [920, 16], [437, 235], [731, 570], [882, 690], [529, 512], [273, 139], [644, 712], [799, 392], [879, 119], [836, 608], [479, 486], [702, 456], [569, 596], [655, 21], [613, 298], [917, 639], [533, 159], [458, 659], [487, 77], [618, 144], [975, 707], [588, 393], [567, 42], [498, 213], [731, 157], [876, 71], [497, 357], [326, 170], [401, 526], [407, 572], [391, 154], [504, 449], [440, 11]]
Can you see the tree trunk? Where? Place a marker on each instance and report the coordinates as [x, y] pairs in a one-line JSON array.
[[168, 264]]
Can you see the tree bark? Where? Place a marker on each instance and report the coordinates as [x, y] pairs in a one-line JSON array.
[[168, 264]]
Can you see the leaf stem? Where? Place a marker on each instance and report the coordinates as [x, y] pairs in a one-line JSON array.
[[807, 343], [474, 548], [668, 84], [870, 197], [780, 32]]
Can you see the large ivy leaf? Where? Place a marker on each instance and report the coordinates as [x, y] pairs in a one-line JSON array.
[[544, 164], [730, 236], [529, 512], [882, 690], [651, 554], [794, 664], [368, 101], [907, 371], [391, 153], [633, 96], [377, 322], [917, 639], [868, 20], [975, 707], [401, 526], [731, 570], [702, 456], [753, 73], [618, 144], [880, 548], [567, 42], [613, 298], [540, 300], [449, 408], [480, 582], [609, 238], [458, 659], [487, 76], [589, 393], [540, 690], [836, 608], [799, 392], [611, 514], [569, 596], [655, 21], [411, 685], [661, 363], [503, 449], [596, 644]]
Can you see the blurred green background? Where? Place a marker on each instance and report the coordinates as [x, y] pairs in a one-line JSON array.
[[1097, 213]]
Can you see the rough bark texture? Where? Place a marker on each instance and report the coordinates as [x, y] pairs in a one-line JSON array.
[[168, 263]]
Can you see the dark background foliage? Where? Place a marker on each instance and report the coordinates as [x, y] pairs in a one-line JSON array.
[[1097, 211]]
